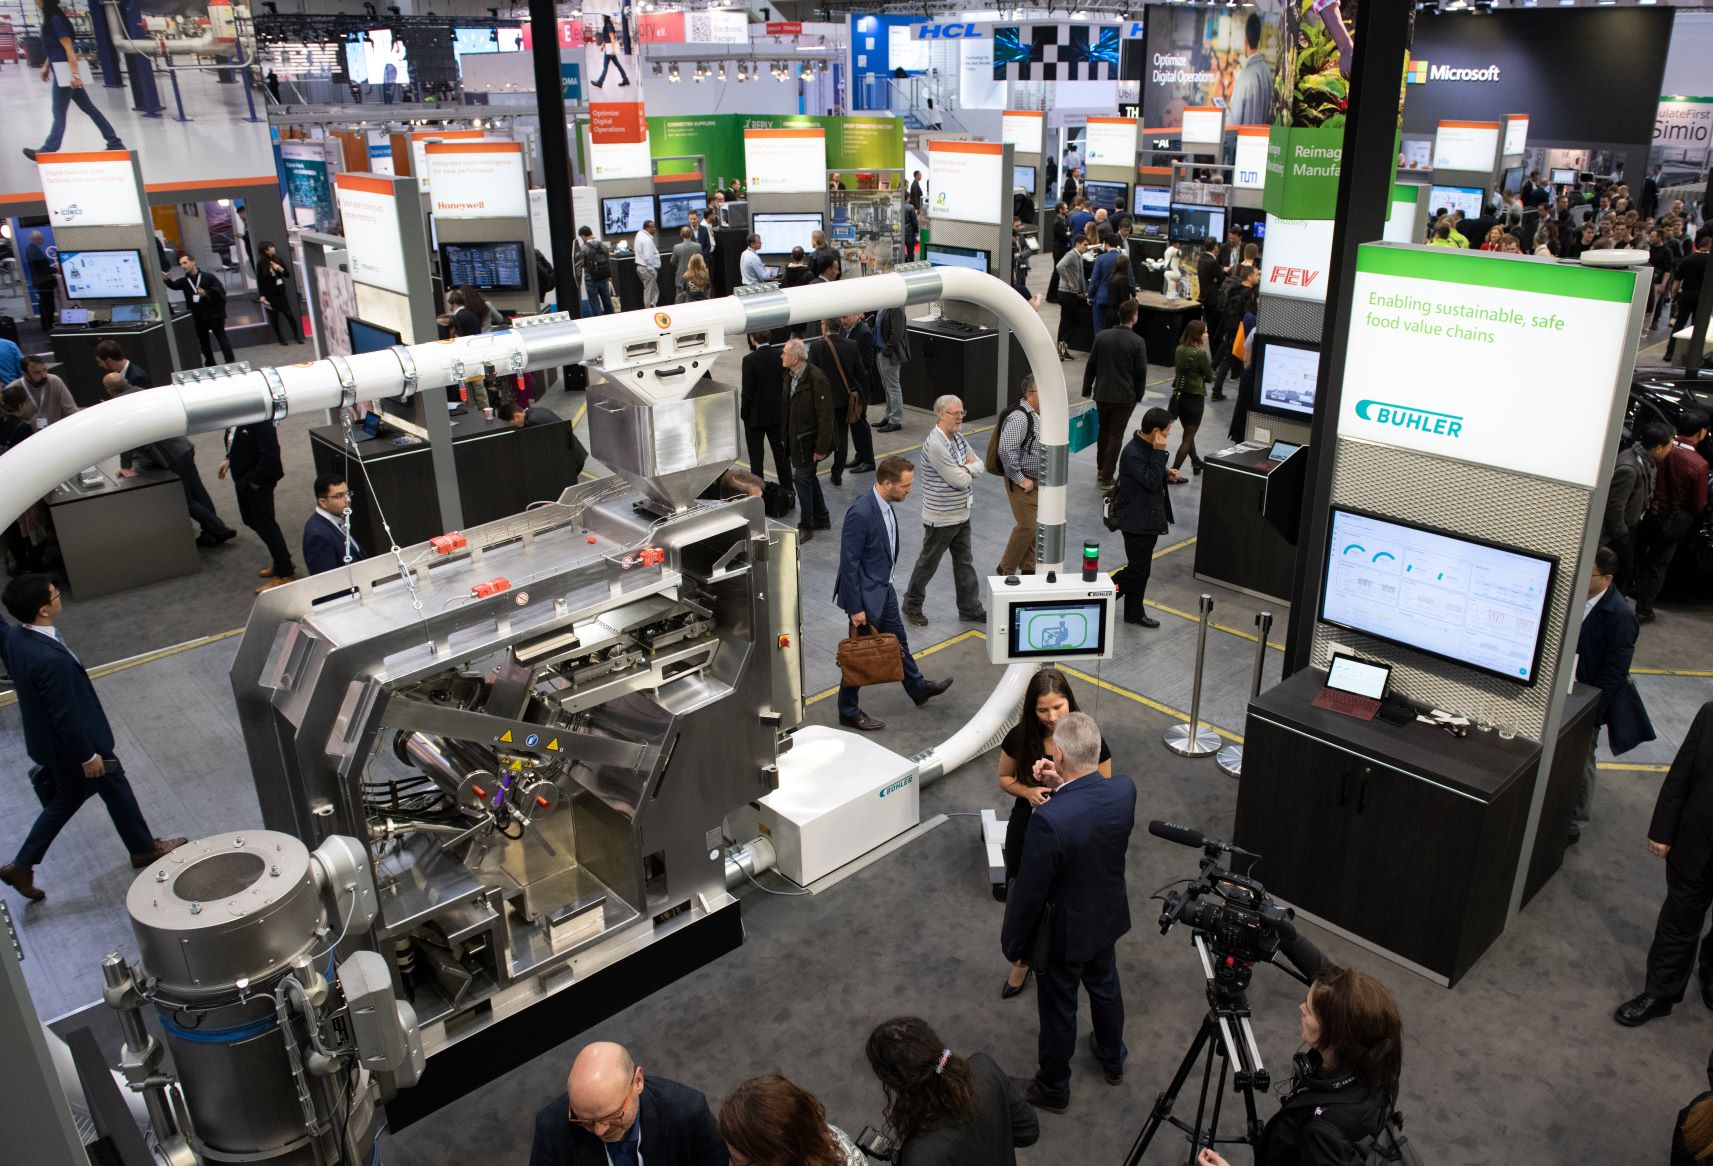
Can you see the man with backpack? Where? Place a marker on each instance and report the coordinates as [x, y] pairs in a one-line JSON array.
[[1015, 452], [597, 270]]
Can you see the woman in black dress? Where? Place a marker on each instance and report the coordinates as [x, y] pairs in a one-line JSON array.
[[273, 283], [1047, 699]]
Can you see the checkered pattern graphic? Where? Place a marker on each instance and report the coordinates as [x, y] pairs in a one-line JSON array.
[[1055, 52], [1417, 73]]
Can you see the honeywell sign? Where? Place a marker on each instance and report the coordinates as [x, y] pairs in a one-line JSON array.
[[477, 180]]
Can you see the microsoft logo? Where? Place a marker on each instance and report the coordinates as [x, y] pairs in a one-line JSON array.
[[1405, 417], [1417, 73]]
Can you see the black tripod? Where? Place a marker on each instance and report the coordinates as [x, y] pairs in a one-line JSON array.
[[1227, 1019]]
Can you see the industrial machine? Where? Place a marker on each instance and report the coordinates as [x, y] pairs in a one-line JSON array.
[[496, 769]]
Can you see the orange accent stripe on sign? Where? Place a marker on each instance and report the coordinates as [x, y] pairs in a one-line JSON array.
[[1203, 109], [966, 147], [1024, 113], [473, 148], [84, 156], [1153, 169], [1111, 120], [368, 182], [419, 135], [1252, 131], [1472, 125]]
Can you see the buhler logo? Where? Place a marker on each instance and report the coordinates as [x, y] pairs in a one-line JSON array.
[[898, 785], [1404, 417]]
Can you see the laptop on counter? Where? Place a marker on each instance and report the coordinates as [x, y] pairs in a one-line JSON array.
[[1354, 687]]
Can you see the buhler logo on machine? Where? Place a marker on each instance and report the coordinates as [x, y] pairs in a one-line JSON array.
[[1405, 417], [1420, 73], [898, 785]]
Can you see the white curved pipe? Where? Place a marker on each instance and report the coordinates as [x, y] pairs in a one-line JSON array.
[[214, 401], [126, 43]]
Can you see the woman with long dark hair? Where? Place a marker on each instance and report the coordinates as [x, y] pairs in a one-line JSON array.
[[944, 1109], [273, 284], [65, 70], [768, 1121], [1346, 1081], [1045, 702], [1194, 368]]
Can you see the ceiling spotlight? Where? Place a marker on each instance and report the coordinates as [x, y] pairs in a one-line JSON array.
[[805, 73], [722, 75], [673, 75], [658, 68]]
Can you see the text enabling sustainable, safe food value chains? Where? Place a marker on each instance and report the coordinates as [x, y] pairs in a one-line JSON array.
[[1402, 303]]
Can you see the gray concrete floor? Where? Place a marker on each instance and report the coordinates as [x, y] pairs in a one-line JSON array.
[[1522, 1054]]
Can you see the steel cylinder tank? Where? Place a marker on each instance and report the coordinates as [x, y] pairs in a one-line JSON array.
[[220, 923]]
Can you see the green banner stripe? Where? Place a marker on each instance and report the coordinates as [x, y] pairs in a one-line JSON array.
[[1405, 192], [1475, 269]]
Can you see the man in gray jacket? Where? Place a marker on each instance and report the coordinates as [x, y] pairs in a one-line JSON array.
[[892, 333], [681, 253], [1632, 487], [945, 473], [1073, 293]]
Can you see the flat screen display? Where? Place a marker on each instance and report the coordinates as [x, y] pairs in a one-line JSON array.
[[1024, 176], [469, 41], [626, 215], [1191, 223], [369, 338], [1153, 202], [104, 275], [1565, 177], [1108, 195], [485, 266], [1285, 377], [781, 232], [1348, 674], [1455, 198], [1513, 180], [943, 255], [1049, 629], [1462, 599], [1281, 450], [675, 209], [376, 57]]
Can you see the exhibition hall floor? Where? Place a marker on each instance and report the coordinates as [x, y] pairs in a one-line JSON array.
[[218, 142], [1522, 1053]]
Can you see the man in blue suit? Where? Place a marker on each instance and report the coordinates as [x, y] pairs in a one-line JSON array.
[[868, 555], [612, 1115], [324, 535], [1070, 881], [1605, 646], [66, 733], [1104, 309]]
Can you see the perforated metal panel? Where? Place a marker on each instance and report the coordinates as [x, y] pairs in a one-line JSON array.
[[1292, 320], [1546, 517], [500, 231]]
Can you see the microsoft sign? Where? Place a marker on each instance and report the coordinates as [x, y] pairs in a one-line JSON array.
[[1421, 72]]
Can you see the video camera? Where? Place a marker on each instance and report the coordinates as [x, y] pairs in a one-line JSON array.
[[1243, 928]]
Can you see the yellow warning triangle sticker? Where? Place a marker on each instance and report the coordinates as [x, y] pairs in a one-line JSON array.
[[506, 737], [553, 745]]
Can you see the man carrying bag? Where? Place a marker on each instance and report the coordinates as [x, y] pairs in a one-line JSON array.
[[868, 555]]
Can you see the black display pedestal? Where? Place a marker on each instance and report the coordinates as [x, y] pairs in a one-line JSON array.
[[74, 348], [961, 359], [1247, 508]]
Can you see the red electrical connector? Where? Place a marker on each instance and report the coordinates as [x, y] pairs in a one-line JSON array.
[[493, 586], [651, 556], [445, 544]]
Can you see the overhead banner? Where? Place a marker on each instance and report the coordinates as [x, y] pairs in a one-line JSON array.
[[94, 189], [1055, 52], [374, 245], [1306, 148], [1457, 353], [968, 182], [706, 27], [1683, 139], [1023, 128], [790, 161], [618, 141], [1222, 57], [1110, 141], [1466, 145], [477, 180]]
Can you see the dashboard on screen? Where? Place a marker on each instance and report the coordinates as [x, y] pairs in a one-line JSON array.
[[104, 275], [675, 209], [484, 266], [1564, 177], [1153, 202], [944, 255], [1455, 198], [1105, 195], [626, 214], [1462, 599], [1194, 223], [1286, 373], [781, 232], [1024, 176]]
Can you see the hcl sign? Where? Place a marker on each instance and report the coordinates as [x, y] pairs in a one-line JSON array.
[[945, 32]]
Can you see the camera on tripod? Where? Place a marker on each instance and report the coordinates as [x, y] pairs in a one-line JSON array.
[[1241, 924]]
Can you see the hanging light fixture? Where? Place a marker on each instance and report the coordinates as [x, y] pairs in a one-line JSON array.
[[722, 77], [673, 75]]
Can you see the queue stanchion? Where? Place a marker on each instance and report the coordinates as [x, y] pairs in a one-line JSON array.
[[1193, 739], [1230, 759]]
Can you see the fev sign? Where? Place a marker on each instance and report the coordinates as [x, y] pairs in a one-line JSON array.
[[375, 249], [1457, 353], [93, 189], [1299, 252]]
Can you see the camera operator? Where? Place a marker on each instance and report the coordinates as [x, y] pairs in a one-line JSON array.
[[947, 1110], [1346, 1081]]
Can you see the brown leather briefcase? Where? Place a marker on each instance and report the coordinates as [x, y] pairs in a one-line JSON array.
[[867, 656]]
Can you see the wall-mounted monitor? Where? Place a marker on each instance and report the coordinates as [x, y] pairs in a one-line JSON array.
[[484, 266], [1513, 180], [1455, 198], [626, 214], [376, 57], [1153, 202], [366, 337], [945, 255], [104, 275], [474, 41], [1476, 603], [1057, 629], [675, 209], [1191, 223], [1566, 176], [1106, 195], [1286, 373], [781, 232], [1024, 176]]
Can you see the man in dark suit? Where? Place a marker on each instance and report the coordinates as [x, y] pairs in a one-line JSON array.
[[612, 1115], [253, 460], [205, 296], [66, 734], [840, 360], [807, 403], [1681, 833], [325, 537], [761, 403], [892, 335], [868, 555], [1604, 648], [1650, 193], [1071, 882]]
